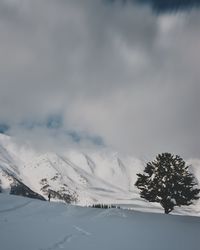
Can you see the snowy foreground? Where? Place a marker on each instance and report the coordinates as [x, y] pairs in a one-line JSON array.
[[28, 224]]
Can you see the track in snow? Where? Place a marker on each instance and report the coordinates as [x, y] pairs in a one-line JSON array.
[[15, 207]]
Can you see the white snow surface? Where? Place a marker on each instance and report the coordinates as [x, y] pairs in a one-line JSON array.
[[96, 177], [29, 224]]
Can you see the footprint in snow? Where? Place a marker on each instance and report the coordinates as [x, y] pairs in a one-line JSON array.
[[82, 231]]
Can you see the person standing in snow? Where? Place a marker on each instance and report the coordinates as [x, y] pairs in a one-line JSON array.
[[49, 197]]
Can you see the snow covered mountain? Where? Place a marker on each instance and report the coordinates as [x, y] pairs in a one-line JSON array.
[[84, 178]]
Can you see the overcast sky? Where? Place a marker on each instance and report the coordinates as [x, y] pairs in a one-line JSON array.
[[92, 72]]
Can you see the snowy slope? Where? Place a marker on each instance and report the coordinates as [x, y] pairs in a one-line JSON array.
[[38, 225], [85, 177]]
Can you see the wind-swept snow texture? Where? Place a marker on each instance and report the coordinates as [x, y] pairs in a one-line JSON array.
[[88, 177], [29, 224]]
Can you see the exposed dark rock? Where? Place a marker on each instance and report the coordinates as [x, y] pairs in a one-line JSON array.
[[63, 193], [54, 178], [19, 188], [43, 181], [67, 197], [44, 188]]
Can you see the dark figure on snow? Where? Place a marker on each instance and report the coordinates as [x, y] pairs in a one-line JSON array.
[[49, 196]]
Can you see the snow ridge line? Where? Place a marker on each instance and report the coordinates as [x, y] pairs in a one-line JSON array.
[[15, 208], [67, 238], [82, 231], [60, 243]]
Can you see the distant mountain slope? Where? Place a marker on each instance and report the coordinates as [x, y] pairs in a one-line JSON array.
[[84, 178]]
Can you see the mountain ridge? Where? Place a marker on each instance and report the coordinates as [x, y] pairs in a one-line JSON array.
[[84, 178]]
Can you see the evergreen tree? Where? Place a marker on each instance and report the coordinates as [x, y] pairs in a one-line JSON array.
[[166, 180]]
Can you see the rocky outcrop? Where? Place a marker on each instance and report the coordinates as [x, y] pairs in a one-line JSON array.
[[19, 188], [63, 193], [16, 187]]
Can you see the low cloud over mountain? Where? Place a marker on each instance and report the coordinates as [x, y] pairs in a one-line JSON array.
[[119, 73]]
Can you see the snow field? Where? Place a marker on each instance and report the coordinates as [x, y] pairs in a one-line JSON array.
[[29, 224]]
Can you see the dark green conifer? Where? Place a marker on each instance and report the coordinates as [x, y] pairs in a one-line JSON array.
[[167, 180]]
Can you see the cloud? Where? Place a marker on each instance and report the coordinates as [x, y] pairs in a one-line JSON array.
[[161, 6], [172, 5], [118, 73]]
